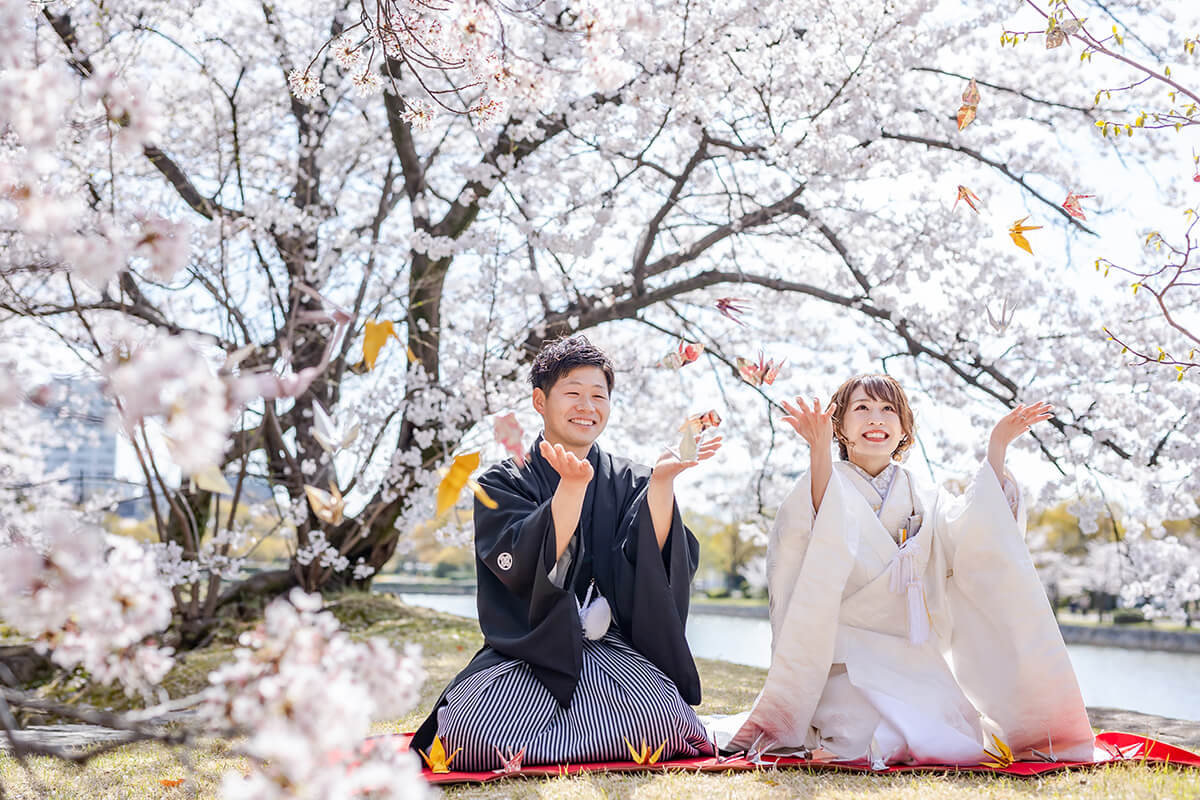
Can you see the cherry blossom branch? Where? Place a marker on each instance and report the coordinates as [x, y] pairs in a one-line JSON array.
[[1098, 46], [999, 166]]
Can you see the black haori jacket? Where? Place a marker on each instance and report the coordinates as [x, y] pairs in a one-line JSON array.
[[525, 616]]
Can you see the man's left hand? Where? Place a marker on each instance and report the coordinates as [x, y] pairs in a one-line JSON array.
[[669, 466]]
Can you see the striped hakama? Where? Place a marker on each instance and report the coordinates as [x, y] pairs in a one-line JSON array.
[[620, 696]]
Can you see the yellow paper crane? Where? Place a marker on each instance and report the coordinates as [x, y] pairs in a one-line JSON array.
[[457, 478], [374, 338], [644, 756], [1017, 232], [1002, 758], [436, 758]]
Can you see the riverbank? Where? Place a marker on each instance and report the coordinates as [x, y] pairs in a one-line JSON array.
[[1141, 636]]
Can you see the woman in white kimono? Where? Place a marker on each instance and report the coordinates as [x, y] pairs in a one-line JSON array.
[[908, 625]]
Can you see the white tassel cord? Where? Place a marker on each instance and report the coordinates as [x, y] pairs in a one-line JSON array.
[[595, 616], [905, 579]]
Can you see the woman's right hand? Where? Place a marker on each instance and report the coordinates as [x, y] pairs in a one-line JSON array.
[[814, 425]]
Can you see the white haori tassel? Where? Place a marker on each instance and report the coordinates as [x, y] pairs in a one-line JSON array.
[[905, 579], [595, 616]]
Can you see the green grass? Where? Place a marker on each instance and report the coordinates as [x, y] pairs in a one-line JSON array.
[[448, 643]]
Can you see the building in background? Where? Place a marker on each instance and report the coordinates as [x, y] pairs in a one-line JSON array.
[[83, 452]]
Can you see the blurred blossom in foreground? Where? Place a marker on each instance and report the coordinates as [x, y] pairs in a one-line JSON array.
[[88, 599], [171, 378], [305, 695]]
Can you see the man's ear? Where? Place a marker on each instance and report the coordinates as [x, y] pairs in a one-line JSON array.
[[539, 401]]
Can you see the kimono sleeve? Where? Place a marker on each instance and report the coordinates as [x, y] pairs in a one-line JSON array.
[[810, 558], [653, 588], [515, 541], [1008, 654]]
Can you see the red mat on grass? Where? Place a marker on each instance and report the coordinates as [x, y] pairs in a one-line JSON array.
[[1116, 747]]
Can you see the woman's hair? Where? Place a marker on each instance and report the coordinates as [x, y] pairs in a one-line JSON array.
[[877, 387], [559, 357]]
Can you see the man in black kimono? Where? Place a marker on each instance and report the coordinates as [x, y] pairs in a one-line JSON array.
[[578, 534]]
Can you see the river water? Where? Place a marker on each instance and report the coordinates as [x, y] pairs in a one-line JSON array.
[[1149, 681]]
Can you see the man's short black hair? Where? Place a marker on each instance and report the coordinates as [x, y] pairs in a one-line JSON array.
[[559, 357]]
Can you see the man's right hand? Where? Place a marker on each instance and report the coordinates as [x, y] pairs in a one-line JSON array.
[[572, 470], [574, 474]]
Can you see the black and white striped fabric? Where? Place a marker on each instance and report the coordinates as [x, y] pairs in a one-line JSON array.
[[621, 696]]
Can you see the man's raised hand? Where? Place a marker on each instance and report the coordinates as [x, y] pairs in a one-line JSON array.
[[571, 469], [669, 466], [813, 425]]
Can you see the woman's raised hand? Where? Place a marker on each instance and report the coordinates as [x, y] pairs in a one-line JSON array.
[[814, 425], [1019, 420]]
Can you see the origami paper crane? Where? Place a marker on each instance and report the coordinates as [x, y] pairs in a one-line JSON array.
[[1017, 232], [1071, 204], [970, 98], [967, 196], [1002, 757], [436, 758], [329, 433], [728, 306], [509, 763], [457, 478], [756, 374], [327, 506], [509, 434], [644, 756], [685, 354], [374, 338]]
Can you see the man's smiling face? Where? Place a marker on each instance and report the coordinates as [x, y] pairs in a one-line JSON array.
[[575, 410]]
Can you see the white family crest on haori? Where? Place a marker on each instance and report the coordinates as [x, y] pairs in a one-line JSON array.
[[909, 625]]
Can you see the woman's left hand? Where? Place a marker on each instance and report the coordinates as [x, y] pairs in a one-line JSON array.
[[1020, 420]]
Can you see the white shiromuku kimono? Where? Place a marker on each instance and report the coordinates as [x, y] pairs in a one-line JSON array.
[[908, 626]]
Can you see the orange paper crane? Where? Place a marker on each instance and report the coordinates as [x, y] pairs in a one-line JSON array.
[[968, 197], [457, 478], [702, 421], [685, 354], [1017, 232], [970, 98], [756, 374], [436, 758], [644, 756]]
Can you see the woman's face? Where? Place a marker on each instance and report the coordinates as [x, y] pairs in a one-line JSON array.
[[871, 427]]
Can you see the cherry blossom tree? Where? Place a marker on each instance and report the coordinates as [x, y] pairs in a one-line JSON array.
[[1155, 100], [231, 212], [1165, 578]]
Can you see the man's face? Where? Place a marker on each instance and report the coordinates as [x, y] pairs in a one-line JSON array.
[[575, 410]]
